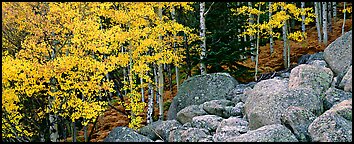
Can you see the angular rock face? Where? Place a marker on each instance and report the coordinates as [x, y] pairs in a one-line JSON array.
[[166, 127], [124, 134], [298, 119], [150, 130], [346, 82], [186, 114], [334, 96], [335, 125], [268, 133], [320, 63], [230, 127], [308, 58], [310, 76], [338, 54], [208, 122], [221, 107], [199, 89], [194, 135]]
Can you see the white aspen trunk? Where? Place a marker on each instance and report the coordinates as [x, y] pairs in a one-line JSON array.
[[343, 19], [288, 51], [334, 6], [161, 80], [303, 28], [251, 21], [161, 86], [202, 36], [53, 129], [320, 13], [329, 17], [156, 84], [318, 26], [271, 36], [238, 28], [285, 43], [256, 67], [324, 26], [173, 14], [150, 103]]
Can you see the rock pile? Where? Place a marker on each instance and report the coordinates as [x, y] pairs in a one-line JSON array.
[[313, 104]]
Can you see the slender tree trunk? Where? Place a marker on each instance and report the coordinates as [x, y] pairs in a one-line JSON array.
[[324, 26], [52, 117], [150, 103], [320, 13], [318, 26], [156, 84], [303, 20], [74, 132], [334, 6], [173, 14], [161, 86], [202, 36], [169, 70], [251, 21], [344, 19], [288, 50], [285, 43], [329, 17], [271, 36], [85, 127], [142, 89], [256, 67], [238, 29], [161, 80]]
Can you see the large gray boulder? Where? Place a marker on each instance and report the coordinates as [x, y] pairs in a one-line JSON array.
[[334, 96], [124, 134], [268, 133], [338, 54], [264, 107], [186, 114], [298, 119], [346, 82], [310, 76], [199, 89], [335, 125]]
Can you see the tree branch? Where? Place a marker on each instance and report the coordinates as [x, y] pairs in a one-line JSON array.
[[208, 9]]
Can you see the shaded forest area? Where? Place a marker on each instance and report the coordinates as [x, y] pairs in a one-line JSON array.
[[96, 66]]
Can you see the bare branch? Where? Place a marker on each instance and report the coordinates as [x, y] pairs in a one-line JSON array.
[[208, 9]]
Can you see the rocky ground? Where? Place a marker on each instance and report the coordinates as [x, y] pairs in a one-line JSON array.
[[310, 103]]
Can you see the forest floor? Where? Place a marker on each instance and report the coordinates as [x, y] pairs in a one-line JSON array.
[[267, 63]]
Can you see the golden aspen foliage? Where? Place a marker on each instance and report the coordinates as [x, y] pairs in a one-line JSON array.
[[277, 19], [63, 51]]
